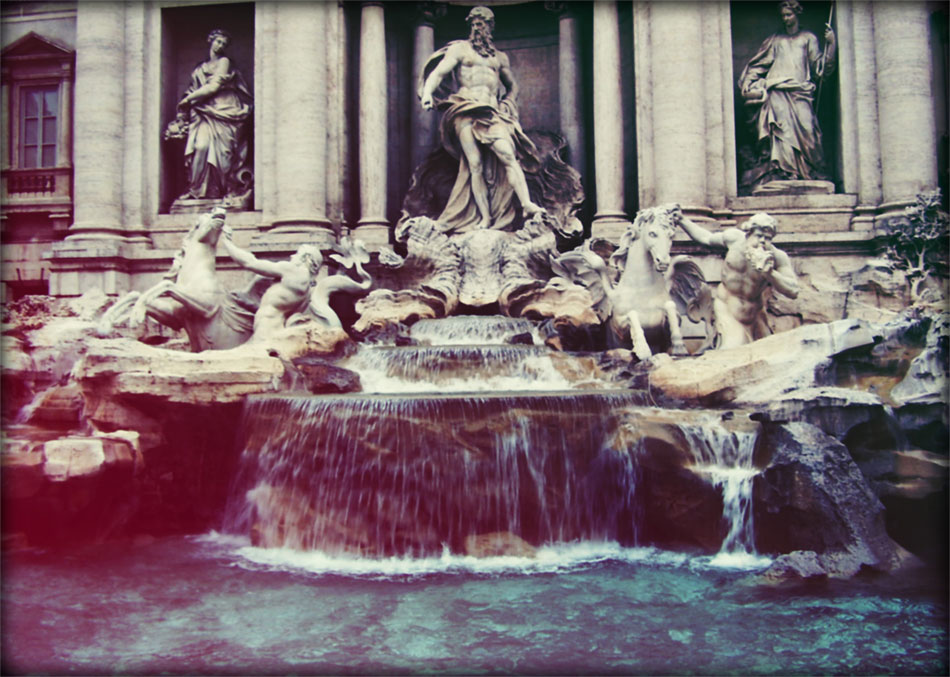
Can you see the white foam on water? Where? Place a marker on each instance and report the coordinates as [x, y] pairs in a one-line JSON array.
[[471, 329], [548, 559], [739, 560], [526, 371]]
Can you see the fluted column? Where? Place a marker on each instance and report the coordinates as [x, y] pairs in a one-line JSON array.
[[610, 219], [301, 140], [424, 125], [679, 123], [99, 121], [372, 228], [905, 105]]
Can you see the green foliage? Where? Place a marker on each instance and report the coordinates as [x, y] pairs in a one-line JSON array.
[[918, 243]]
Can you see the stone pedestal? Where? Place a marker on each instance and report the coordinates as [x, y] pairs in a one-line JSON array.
[[795, 188]]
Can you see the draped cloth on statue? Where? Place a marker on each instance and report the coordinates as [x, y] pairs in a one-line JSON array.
[[781, 71], [217, 146], [489, 123]]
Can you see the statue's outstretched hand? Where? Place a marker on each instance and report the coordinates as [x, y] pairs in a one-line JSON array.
[[829, 34], [427, 103]]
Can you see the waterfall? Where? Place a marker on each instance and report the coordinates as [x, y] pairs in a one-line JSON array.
[[472, 437], [384, 475], [725, 458], [458, 368], [473, 330]]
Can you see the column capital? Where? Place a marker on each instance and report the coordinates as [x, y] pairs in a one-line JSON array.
[[429, 11], [559, 7]]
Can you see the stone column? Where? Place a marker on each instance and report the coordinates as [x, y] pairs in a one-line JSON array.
[[679, 122], [424, 123], [99, 121], [569, 84], [301, 138], [337, 104], [610, 219], [372, 228], [905, 105]]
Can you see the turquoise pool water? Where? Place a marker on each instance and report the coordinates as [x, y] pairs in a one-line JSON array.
[[214, 605]]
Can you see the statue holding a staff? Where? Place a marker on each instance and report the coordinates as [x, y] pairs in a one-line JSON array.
[[778, 82]]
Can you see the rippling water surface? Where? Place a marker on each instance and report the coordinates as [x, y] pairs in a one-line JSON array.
[[213, 604]]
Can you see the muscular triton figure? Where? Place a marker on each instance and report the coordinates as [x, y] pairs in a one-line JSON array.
[[480, 126], [752, 264]]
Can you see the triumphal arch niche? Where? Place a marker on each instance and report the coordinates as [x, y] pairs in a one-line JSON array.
[[207, 110]]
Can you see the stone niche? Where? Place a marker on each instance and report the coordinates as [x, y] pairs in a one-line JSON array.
[[529, 33], [184, 46], [752, 23]]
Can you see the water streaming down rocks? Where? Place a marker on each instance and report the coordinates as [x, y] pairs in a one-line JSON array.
[[726, 458], [429, 458]]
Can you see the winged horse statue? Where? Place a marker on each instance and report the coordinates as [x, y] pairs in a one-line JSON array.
[[643, 292]]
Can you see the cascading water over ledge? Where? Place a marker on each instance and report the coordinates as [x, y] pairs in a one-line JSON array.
[[378, 476]]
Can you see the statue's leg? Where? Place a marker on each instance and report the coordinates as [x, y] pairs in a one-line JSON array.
[[640, 346], [195, 305], [761, 327], [118, 312], [137, 316], [166, 311], [676, 332], [505, 150], [732, 333], [473, 157]]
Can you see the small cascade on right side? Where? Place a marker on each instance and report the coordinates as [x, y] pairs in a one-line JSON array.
[[725, 458]]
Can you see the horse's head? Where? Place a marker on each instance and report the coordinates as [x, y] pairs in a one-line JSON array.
[[654, 228]]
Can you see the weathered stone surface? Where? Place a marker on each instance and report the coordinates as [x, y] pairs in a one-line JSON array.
[[323, 377], [498, 544], [800, 564], [926, 379], [114, 367], [811, 496], [57, 406], [69, 489], [71, 457], [760, 371]]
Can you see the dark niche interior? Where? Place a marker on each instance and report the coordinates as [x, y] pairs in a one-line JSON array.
[[752, 23], [184, 46]]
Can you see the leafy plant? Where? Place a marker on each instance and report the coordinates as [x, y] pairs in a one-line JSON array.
[[918, 243]]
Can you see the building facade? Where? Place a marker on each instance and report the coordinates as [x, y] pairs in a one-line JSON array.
[[645, 93]]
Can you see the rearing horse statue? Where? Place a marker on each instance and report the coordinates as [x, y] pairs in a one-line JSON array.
[[643, 292], [190, 296]]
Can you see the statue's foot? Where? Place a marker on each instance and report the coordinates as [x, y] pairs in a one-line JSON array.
[[530, 209], [642, 350], [679, 350], [484, 224]]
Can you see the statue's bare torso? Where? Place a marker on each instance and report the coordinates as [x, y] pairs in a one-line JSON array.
[[742, 285], [478, 76]]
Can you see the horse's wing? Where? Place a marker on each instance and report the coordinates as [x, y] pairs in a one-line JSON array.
[[693, 295], [688, 287], [586, 269]]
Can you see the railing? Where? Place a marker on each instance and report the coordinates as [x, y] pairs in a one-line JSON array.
[[40, 187]]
